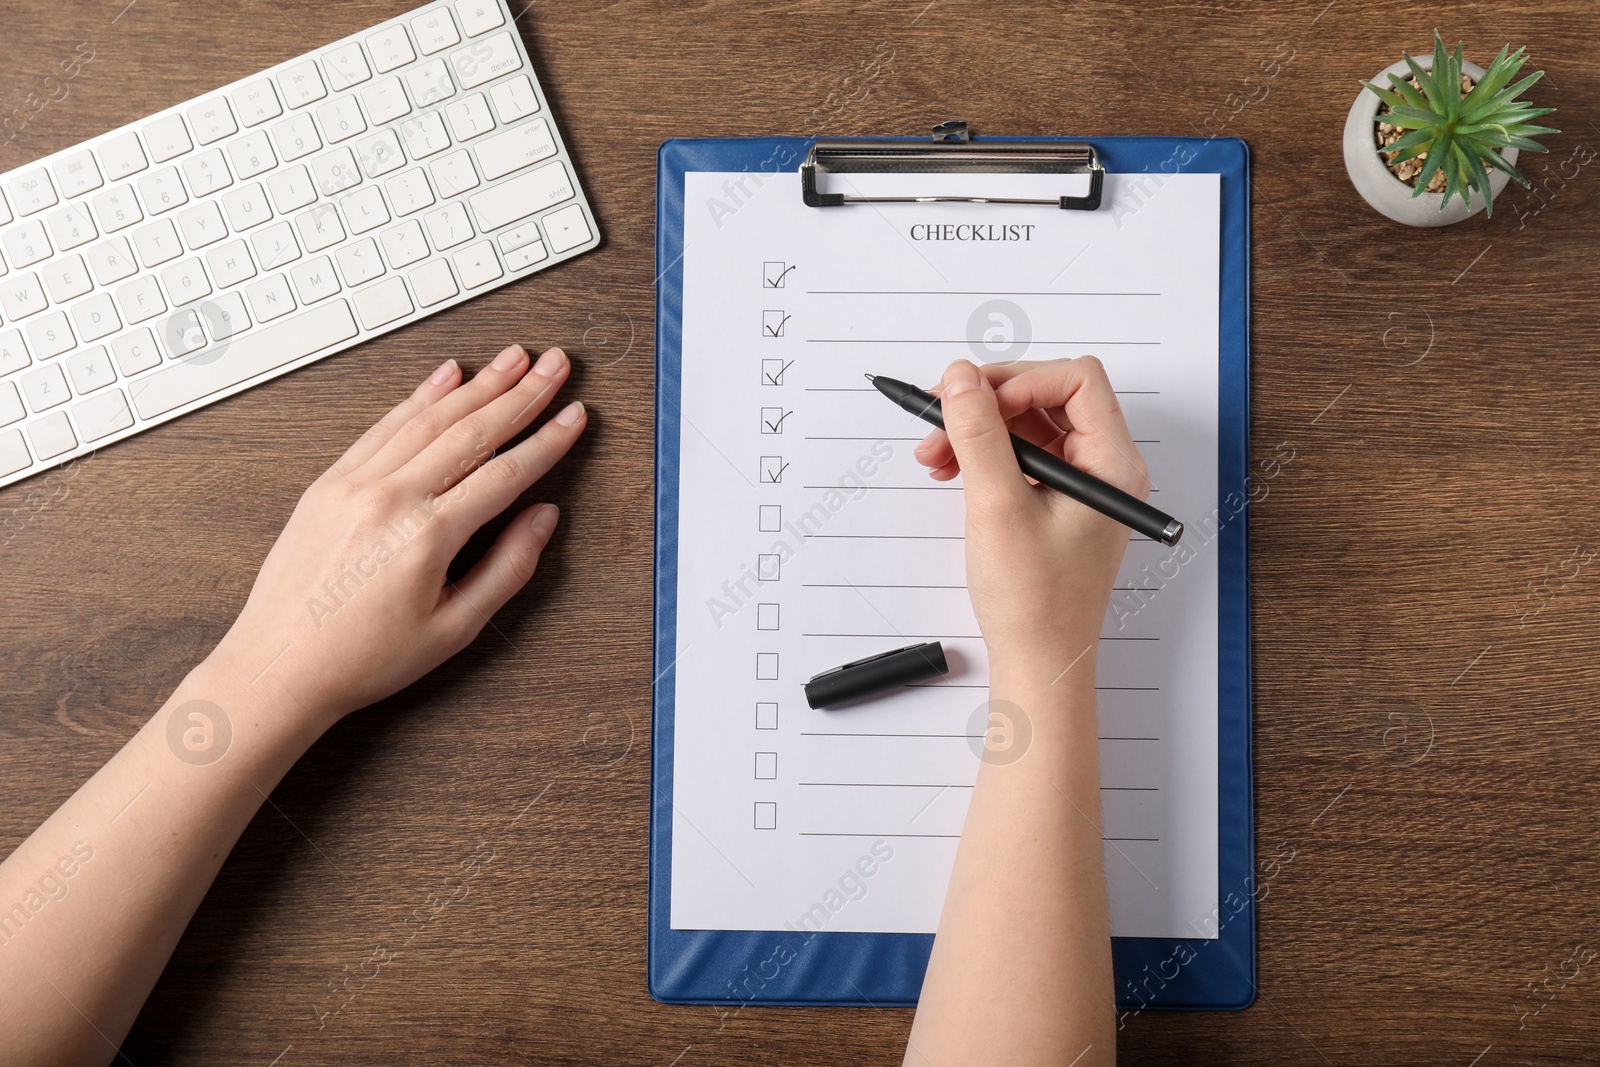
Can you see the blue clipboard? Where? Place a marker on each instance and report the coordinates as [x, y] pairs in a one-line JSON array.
[[735, 968]]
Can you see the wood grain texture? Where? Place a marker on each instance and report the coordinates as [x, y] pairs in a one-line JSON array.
[[1436, 390]]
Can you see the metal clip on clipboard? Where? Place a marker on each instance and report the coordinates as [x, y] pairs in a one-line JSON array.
[[952, 151]]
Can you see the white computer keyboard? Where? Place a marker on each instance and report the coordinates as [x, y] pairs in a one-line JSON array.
[[299, 211]]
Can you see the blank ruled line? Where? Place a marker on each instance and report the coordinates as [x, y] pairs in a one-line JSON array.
[[1131, 788], [1130, 839], [964, 341], [1131, 688], [861, 585], [809, 438], [952, 637], [897, 537], [821, 833], [1130, 739], [951, 292], [891, 785], [853, 733]]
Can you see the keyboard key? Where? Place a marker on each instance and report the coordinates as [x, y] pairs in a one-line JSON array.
[[212, 120], [95, 318], [390, 48], [49, 335], [485, 60], [71, 226], [291, 189], [404, 244], [168, 138], [526, 256], [380, 154], [314, 280], [186, 282], [230, 264], [453, 174], [448, 226], [275, 246], [477, 264], [140, 299], [380, 304], [409, 192], [566, 228], [385, 101], [103, 416], [360, 263], [514, 98], [52, 436], [302, 84], [340, 119], [11, 408], [202, 225], [319, 228], [253, 354], [135, 352], [256, 102], [22, 296], [251, 155], [13, 453], [90, 369], [111, 261], [26, 245], [31, 191], [45, 387], [77, 174], [364, 210], [424, 135], [122, 156], [346, 66], [116, 208], [516, 148], [295, 136], [335, 171], [469, 117], [182, 333], [162, 190], [13, 353], [246, 207], [65, 278], [430, 83], [224, 317], [270, 298], [434, 30], [525, 234], [207, 173], [478, 16], [5, 217], [156, 243], [521, 196]]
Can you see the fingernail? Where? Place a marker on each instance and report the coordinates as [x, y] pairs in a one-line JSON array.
[[571, 414], [509, 358], [960, 377], [542, 523], [550, 362], [446, 371]]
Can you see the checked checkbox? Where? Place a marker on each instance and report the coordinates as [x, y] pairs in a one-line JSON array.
[[772, 468], [774, 273], [773, 322], [772, 419], [773, 370]]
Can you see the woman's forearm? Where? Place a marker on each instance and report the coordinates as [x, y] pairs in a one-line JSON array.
[[92, 904]]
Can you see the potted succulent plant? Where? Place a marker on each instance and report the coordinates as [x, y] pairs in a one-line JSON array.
[[1442, 130]]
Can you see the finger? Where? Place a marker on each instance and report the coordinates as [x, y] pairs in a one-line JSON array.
[[470, 443], [1081, 387], [980, 439], [426, 426], [935, 450], [435, 386], [502, 571], [494, 486]]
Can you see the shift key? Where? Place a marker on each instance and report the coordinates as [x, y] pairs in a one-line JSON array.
[[521, 196]]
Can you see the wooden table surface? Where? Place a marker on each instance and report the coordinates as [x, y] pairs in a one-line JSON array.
[[1424, 579]]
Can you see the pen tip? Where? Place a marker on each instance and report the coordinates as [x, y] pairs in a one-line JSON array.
[[871, 378]]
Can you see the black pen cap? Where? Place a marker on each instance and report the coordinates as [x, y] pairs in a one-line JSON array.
[[874, 674]]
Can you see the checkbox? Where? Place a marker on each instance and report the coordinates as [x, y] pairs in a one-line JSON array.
[[766, 765], [767, 715], [766, 666], [773, 322], [769, 567], [771, 518], [772, 370], [775, 274], [766, 815], [766, 616], [772, 419], [772, 468]]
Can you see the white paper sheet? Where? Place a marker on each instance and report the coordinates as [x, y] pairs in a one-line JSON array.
[[809, 536]]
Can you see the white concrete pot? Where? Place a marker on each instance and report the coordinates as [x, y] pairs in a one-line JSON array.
[[1378, 185]]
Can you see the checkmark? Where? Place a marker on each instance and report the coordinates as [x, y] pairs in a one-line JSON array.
[[772, 371], [772, 468], [773, 322], [772, 419], [775, 274]]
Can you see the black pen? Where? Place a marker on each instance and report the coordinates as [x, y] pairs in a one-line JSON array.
[[1050, 470]]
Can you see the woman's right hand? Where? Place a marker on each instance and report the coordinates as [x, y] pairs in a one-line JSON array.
[[1040, 565]]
